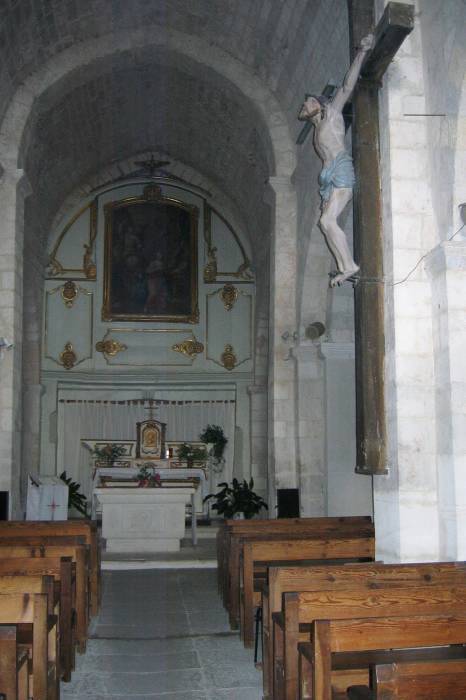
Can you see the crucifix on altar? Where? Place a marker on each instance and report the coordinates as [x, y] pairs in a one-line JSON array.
[[374, 50]]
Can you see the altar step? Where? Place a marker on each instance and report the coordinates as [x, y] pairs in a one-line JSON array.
[[204, 556]]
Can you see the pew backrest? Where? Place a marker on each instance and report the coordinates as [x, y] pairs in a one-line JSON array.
[[410, 630], [432, 680]]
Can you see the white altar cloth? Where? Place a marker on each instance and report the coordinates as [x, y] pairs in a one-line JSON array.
[[165, 473], [143, 519]]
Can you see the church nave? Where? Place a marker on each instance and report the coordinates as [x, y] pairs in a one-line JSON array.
[[163, 634]]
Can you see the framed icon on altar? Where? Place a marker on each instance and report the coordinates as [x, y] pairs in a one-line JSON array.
[[150, 441]]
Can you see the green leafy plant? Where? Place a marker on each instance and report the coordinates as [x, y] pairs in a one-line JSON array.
[[109, 453], [190, 453], [213, 434], [76, 499], [237, 498]]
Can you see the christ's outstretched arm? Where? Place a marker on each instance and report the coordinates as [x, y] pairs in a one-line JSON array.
[[343, 93]]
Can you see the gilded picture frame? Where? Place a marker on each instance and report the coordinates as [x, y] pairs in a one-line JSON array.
[[151, 262]]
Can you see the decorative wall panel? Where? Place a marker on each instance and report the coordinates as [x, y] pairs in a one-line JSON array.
[[225, 255], [229, 326], [72, 254], [68, 324], [149, 347]]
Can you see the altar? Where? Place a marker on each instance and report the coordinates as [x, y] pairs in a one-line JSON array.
[[143, 519]]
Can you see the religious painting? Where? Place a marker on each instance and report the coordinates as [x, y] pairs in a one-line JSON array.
[[150, 267], [150, 442]]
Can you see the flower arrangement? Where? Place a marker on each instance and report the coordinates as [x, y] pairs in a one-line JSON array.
[[147, 478], [109, 453], [190, 453], [214, 435]]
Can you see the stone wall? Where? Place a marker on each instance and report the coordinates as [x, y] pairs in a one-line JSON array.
[[419, 506]]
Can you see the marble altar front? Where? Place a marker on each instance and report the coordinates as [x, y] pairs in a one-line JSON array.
[[143, 519]]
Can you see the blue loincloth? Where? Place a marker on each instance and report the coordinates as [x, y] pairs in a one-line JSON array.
[[340, 173]]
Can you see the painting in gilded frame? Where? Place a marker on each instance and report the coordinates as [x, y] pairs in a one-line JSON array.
[[150, 267]]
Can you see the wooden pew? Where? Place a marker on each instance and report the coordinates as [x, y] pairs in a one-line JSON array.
[[14, 677], [330, 547], [31, 610], [266, 530], [62, 573], [32, 557], [45, 585], [84, 528], [356, 639], [422, 680], [233, 532], [298, 579], [347, 603]]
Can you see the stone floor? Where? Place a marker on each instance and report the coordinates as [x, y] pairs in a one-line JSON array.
[[163, 634]]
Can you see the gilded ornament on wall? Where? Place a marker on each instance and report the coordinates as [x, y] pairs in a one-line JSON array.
[[55, 268], [228, 357], [152, 192], [68, 357], [110, 347], [89, 266], [210, 269], [69, 292], [190, 347], [229, 296]]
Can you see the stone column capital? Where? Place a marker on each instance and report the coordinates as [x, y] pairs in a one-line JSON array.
[[11, 175], [337, 351], [449, 255]]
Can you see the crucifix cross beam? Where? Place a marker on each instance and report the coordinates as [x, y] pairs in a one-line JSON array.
[[391, 31]]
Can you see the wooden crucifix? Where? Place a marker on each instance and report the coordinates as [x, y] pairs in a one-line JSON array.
[[336, 182]]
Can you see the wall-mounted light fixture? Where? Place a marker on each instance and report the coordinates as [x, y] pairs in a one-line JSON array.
[[315, 330], [5, 344]]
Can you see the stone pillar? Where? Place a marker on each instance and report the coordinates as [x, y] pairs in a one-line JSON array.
[[13, 190], [312, 472], [405, 500], [281, 394], [348, 493], [258, 433], [447, 268]]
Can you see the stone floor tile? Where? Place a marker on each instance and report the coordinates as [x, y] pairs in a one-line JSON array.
[[163, 635], [121, 663]]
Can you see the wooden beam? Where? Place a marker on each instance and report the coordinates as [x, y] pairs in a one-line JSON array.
[[371, 432], [396, 23]]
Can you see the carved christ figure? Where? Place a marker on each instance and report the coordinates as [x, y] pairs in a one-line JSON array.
[[336, 179]]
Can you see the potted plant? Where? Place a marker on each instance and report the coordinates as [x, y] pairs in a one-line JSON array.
[[214, 435], [237, 498], [76, 500], [190, 454], [109, 453]]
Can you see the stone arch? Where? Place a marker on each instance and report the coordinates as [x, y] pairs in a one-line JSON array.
[[232, 70], [13, 146]]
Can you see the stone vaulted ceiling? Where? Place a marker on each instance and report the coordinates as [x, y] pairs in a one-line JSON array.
[[134, 100]]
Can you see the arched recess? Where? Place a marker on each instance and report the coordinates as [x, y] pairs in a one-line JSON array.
[[17, 138]]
